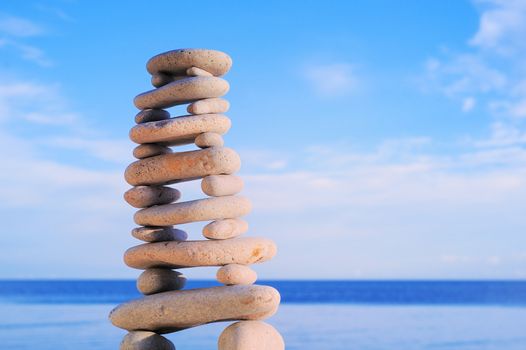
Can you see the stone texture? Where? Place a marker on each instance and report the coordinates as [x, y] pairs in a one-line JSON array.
[[209, 105], [243, 251], [250, 335], [180, 130], [221, 185], [197, 210], [146, 196], [182, 166], [225, 228], [151, 115], [176, 62], [159, 234], [236, 274], [150, 150], [182, 91], [209, 139], [177, 310], [198, 72], [158, 280], [143, 340]]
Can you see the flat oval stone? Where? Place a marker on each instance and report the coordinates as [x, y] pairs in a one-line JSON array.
[[158, 280], [146, 196], [250, 335], [176, 62], [142, 340], [182, 166], [182, 91], [178, 310], [159, 234], [197, 210], [225, 228], [209, 139], [198, 72], [208, 105], [180, 130], [151, 115], [236, 274], [150, 150], [221, 185], [244, 251], [161, 79]]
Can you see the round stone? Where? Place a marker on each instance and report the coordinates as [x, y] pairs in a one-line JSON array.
[[225, 228], [198, 72], [208, 105], [236, 274], [157, 280], [221, 185], [159, 234], [150, 150], [250, 335], [146, 196], [142, 340], [209, 139], [176, 62], [151, 115]]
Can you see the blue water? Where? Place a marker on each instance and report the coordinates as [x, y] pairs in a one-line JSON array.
[[329, 315]]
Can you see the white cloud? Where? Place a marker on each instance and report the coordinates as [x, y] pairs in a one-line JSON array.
[[468, 104], [335, 79], [19, 27]]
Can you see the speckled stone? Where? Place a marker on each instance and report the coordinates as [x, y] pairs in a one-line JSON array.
[[159, 234], [157, 280], [244, 251], [182, 166], [208, 105], [176, 62], [236, 274], [250, 335], [150, 150], [198, 72], [142, 340], [221, 185], [225, 228], [209, 139], [177, 310], [146, 196], [151, 115]]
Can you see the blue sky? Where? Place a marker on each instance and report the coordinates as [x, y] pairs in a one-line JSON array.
[[379, 139]]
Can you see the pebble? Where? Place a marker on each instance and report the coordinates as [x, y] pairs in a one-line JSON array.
[[151, 115], [205, 209], [142, 340], [209, 139], [177, 310], [225, 228], [146, 196], [198, 72], [157, 280], [221, 185], [150, 150], [176, 62], [182, 166], [236, 274], [159, 234], [208, 105], [250, 335], [180, 130], [182, 91], [244, 251], [161, 79]]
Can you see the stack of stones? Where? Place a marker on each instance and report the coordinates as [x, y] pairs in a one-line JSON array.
[[191, 76]]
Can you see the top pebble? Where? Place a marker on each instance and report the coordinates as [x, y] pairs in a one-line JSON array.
[[176, 62]]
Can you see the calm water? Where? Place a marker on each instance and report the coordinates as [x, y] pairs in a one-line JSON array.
[[314, 315]]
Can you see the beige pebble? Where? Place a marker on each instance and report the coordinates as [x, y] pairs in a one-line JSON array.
[[177, 310], [250, 335], [143, 340], [236, 274], [225, 228], [156, 280], [182, 91], [182, 166], [176, 62], [221, 185], [159, 234], [212, 208], [198, 72], [151, 115], [180, 130], [209, 139], [208, 105], [161, 79], [150, 150], [146, 196], [244, 251]]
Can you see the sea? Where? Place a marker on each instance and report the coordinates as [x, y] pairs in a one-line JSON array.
[[317, 315]]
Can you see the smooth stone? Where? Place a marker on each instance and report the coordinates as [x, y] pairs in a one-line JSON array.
[[221, 185], [150, 150], [176, 62], [146, 196], [209, 139], [178, 310], [198, 72], [180, 130], [182, 91], [157, 280], [244, 251], [159, 234], [225, 228], [250, 335], [151, 115], [143, 340], [233, 274], [212, 208], [208, 105], [161, 79], [182, 166]]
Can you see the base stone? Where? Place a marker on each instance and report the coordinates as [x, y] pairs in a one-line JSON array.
[[250, 335]]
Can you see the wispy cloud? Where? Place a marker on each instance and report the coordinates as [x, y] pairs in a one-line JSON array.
[[19, 27], [333, 79]]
